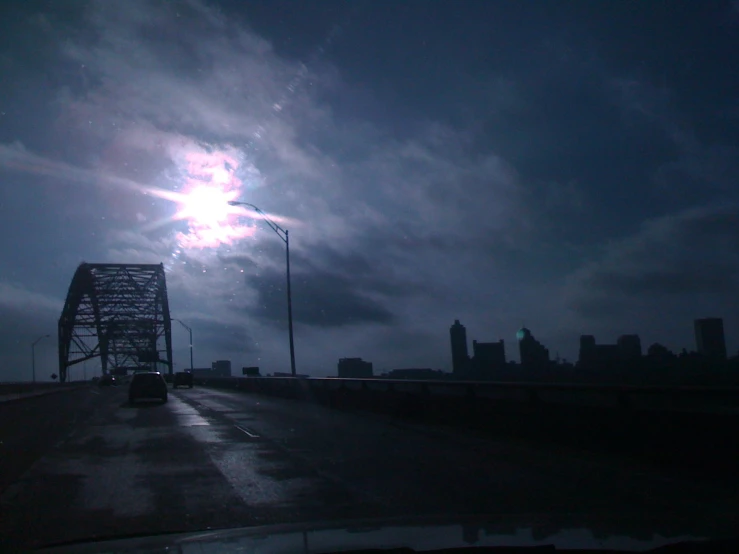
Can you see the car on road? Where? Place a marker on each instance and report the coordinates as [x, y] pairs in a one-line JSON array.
[[182, 378], [148, 384], [108, 381]]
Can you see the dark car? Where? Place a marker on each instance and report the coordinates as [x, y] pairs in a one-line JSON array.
[[182, 378], [108, 381], [148, 384]]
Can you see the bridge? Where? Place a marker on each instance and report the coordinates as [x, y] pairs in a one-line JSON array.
[[78, 461], [118, 313]]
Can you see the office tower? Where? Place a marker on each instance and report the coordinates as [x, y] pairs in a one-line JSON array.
[[355, 368], [629, 347], [532, 352], [709, 337], [460, 357]]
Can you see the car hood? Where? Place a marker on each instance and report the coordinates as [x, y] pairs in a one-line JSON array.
[[569, 531]]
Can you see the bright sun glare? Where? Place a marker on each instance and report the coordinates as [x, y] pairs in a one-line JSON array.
[[207, 205], [210, 182]]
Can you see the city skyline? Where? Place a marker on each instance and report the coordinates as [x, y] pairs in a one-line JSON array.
[[710, 342]]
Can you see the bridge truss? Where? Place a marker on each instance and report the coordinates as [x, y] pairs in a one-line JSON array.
[[119, 313]]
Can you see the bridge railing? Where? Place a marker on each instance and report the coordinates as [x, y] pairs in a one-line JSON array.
[[25, 386], [702, 399], [690, 425]]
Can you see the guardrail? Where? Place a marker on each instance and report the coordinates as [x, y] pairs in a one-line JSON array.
[[689, 425], [24, 387], [649, 398]]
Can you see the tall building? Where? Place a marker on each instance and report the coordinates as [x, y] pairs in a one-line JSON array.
[[221, 368], [460, 357], [629, 347], [488, 356], [355, 368], [587, 354], [598, 356], [532, 352], [709, 337]]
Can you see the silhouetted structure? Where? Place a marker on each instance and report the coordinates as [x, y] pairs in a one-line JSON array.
[[251, 371], [629, 347], [709, 337], [460, 357], [221, 368], [660, 352], [533, 353], [488, 357], [120, 313], [605, 356], [355, 368], [202, 372]]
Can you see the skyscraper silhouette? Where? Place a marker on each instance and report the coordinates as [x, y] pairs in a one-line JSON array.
[[532, 352], [630, 347], [460, 357], [709, 337]]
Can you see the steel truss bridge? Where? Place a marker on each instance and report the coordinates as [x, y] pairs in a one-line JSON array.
[[119, 313]]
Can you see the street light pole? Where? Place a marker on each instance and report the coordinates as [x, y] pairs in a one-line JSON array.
[[289, 305], [285, 237], [33, 355], [189, 330]]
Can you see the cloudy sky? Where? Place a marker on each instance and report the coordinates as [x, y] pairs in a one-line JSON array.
[[570, 166]]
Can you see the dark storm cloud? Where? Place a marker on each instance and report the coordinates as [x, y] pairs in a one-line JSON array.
[[220, 337], [27, 316], [320, 299], [672, 259], [330, 288]]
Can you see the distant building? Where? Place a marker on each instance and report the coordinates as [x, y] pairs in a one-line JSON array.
[[709, 337], [460, 357], [202, 372], [488, 357], [660, 356], [221, 368], [250, 371], [594, 355], [415, 373], [532, 352], [355, 368], [629, 347]]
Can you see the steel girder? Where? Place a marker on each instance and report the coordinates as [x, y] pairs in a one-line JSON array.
[[118, 312]]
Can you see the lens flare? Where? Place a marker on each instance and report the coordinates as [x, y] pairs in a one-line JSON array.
[[207, 205], [210, 183]]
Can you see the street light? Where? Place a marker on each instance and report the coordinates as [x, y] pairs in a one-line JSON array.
[[285, 237], [189, 330], [33, 354]]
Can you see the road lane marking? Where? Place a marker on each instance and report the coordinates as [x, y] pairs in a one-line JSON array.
[[250, 433]]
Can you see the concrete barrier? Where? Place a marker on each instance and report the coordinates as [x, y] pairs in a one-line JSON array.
[[672, 425], [18, 391]]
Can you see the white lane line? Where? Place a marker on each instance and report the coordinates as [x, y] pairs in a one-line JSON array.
[[250, 433]]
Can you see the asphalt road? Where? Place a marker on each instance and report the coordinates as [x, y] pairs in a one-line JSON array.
[[214, 459]]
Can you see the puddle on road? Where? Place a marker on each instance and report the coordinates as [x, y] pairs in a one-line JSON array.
[[192, 420], [187, 416]]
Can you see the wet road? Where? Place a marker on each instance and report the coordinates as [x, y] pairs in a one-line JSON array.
[[212, 459]]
